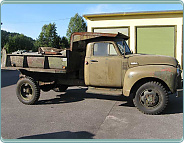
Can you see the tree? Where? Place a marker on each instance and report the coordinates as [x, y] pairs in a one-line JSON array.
[[19, 42], [64, 42], [76, 24], [15, 41], [5, 36], [48, 37]]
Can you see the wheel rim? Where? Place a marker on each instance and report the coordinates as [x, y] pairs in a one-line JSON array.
[[26, 91], [150, 98]]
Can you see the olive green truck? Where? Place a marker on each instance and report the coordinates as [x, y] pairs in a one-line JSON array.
[[99, 60]]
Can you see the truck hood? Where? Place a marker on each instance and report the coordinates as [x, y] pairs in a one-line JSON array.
[[143, 59]]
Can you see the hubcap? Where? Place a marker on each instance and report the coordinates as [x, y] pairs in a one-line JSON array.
[[149, 98], [26, 91]]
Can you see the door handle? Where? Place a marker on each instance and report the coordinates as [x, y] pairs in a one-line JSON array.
[[94, 61]]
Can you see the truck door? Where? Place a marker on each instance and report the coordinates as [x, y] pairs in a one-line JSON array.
[[104, 65]]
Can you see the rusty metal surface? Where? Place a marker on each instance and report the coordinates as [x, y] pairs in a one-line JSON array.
[[16, 61], [165, 73], [57, 63], [36, 69], [107, 72], [4, 58], [80, 36], [37, 62], [129, 70], [49, 51], [142, 59]]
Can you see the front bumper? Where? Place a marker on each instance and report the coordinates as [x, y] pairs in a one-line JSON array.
[[179, 92], [179, 85]]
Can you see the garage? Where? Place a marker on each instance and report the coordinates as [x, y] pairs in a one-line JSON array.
[[156, 40]]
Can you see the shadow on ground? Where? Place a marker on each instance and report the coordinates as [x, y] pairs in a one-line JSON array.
[[76, 95], [62, 135], [9, 77], [174, 106]]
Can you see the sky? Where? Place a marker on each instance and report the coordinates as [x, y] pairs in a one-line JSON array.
[[28, 19]]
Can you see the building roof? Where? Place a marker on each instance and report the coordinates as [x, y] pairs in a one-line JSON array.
[[91, 16]]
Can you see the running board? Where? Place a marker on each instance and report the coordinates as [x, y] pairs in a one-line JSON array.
[[107, 91]]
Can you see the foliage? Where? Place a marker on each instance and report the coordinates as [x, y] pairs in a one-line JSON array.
[[14, 41], [64, 42], [5, 36], [49, 37], [76, 24]]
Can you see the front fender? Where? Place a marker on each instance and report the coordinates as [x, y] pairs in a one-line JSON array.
[[163, 72]]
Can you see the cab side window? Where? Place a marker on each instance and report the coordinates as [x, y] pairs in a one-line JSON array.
[[100, 49], [104, 49], [112, 51]]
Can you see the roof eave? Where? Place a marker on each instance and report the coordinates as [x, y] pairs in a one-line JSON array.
[[88, 16]]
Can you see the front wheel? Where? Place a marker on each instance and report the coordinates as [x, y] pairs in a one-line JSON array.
[[28, 91], [151, 98]]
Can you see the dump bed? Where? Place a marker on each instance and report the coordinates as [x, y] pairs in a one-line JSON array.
[[40, 63]]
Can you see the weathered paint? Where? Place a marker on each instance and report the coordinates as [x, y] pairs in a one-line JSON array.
[[37, 62], [86, 63], [57, 62], [143, 59], [15, 61], [81, 36], [107, 71], [98, 71], [155, 71]]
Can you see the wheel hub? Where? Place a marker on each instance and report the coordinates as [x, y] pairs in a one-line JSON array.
[[149, 98], [26, 91]]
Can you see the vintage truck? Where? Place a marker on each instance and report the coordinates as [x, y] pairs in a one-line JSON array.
[[98, 60]]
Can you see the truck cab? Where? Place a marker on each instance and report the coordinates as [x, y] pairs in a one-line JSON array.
[[105, 63]]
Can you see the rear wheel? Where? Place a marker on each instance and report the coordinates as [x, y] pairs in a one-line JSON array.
[[28, 91], [151, 98]]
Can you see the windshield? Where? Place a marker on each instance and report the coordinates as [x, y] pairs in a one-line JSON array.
[[123, 47]]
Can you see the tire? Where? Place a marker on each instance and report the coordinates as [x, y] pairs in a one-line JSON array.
[[151, 98], [28, 91], [61, 88]]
